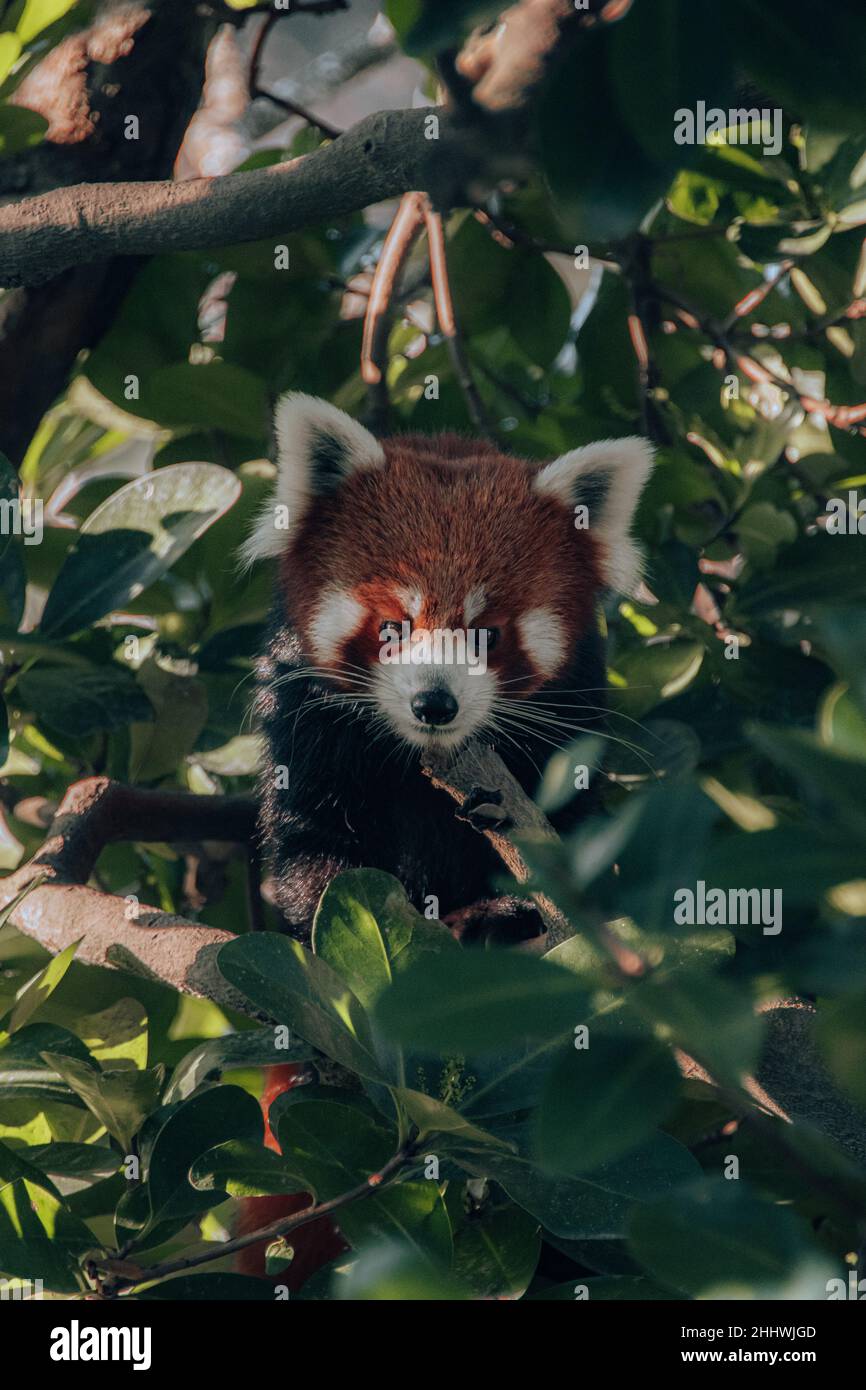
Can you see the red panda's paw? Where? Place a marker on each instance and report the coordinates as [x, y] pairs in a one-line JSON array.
[[496, 921], [483, 810]]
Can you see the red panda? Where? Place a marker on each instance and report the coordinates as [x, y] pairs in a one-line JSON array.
[[380, 546]]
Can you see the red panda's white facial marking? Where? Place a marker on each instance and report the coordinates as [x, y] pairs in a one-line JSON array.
[[444, 534], [544, 640], [333, 622]]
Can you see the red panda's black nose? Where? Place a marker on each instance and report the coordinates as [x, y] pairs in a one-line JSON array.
[[437, 706]]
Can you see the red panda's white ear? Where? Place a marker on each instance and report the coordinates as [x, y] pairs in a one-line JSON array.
[[317, 447], [607, 480]]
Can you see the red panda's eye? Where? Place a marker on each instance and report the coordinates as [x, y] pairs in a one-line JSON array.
[[390, 627], [491, 636]]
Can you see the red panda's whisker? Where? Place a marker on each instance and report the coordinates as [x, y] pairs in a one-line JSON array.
[[534, 729], [534, 734], [495, 727], [599, 709]]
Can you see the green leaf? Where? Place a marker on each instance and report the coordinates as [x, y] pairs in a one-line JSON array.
[[493, 997], [120, 1099], [243, 1170], [844, 632], [333, 1148], [214, 396], [36, 15], [24, 1071], [645, 676], [196, 1125], [834, 778], [694, 197], [116, 1033], [842, 723], [434, 1117], [716, 1236], [692, 53], [809, 574], [20, 129], [179, 705], [496, 1252], [330, 1146], [132, 539], [805, 77], [42, 985], [390, 1272], [580, 155], [402, 14], [602, 1101], [39, 1238], [366, 930], [207, 1062], [10, 48], [762, 528], [292, 986], [710, 1019], [15, 1165], [595, 1205], [796, 860], [86, 1161], [81, 702]]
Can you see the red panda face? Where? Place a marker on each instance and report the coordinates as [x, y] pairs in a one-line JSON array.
[[436, 578]]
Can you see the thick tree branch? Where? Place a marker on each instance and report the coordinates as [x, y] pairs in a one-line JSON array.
[[112, 931], [144, 59], [383, 156]]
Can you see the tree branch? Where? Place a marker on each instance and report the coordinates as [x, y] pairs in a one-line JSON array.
[[113, 931], [383, 156], [127, 1274], [143, 58]]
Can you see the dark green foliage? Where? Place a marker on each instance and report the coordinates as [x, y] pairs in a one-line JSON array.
[[532, 1100]]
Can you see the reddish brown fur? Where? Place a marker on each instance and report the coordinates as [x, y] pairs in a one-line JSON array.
[[314, 1244], [445, 515]]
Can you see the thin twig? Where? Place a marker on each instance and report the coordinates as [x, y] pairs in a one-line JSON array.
[[448, 324], [841, 416], [293, 108], [466, 381], [129, 1277], [636, 265], [506, 233]]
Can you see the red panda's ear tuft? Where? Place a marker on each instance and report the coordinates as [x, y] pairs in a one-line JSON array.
[[607, 479], [317, 447]]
